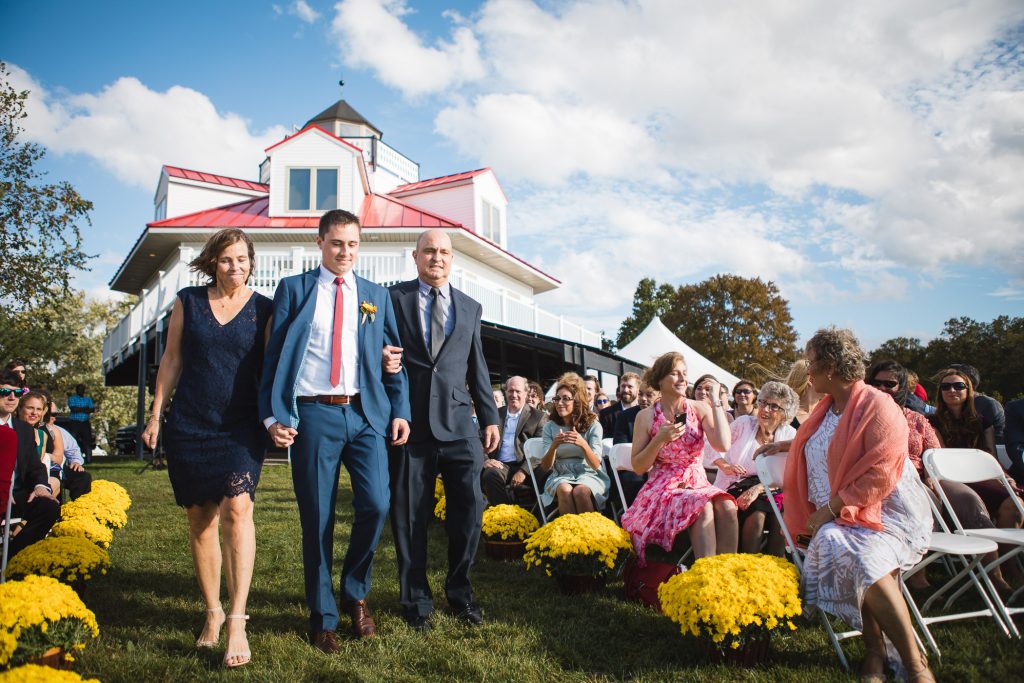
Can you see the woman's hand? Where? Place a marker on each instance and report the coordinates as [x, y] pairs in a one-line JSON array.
[[818, 519], [711, 390], [749, 496], [150, 433], [570, 437], [734, 470], [773, 448], [669, 431]]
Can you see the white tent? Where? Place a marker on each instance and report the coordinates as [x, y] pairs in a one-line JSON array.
[[657, 339]]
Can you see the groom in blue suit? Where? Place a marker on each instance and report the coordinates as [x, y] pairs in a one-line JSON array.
[[323, 393]]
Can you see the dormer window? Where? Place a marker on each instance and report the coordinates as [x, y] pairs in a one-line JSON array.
[[312, 189], [490, 221], [161, 210]]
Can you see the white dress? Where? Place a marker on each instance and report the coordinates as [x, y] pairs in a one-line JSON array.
[[844, 561]]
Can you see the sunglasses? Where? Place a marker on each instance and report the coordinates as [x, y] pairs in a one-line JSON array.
[[602, 402], [770, 407], [18, 393], [745, 392], [953, 386], [887, 383], [562, 399]]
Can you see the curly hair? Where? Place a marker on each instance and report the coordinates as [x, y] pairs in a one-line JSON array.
[[206, 262], [965, 431], [580, 418], [783, 395], [838, 349], [661, 367]]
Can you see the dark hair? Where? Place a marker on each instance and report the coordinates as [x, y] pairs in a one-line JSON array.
[[337, 217], [965, 432], [15, 363], [10, 378], [968, 371], [903, 386], [747, 382], [661, 367], [580, 418], [206, 262], [700, 380], [80, 388]]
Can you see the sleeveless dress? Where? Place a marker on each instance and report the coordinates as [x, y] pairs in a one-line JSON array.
[[213, 438], [843, 561], [662, 509]]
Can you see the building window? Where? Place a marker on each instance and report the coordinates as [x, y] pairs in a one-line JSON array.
[[308, 184], [490, 221]]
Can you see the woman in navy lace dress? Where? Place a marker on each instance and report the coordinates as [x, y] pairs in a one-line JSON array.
[[213, 437]]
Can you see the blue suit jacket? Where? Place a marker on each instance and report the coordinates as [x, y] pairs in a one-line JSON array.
[[384, 397]]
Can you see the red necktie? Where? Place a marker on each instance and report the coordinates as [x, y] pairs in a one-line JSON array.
[[339, 320]]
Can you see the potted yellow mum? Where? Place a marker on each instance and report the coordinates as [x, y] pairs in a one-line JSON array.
[[42, 619], [33, 673], [580, 551], [505, 528], [733, 604], [70, 559]]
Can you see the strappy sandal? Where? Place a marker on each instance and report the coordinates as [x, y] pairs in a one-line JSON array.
[[245, 655], [873, 677], [211, 643]]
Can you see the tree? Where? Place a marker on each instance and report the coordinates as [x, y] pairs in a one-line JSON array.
[[650, 301], [61, 342], [41, 244], [907, 351]]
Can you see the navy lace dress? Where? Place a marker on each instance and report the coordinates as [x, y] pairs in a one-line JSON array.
[[213, 438]]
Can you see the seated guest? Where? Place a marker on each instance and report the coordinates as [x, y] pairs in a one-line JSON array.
[[593, 386], [958, 425], [1015, 437], [629, 386], [535, 396], [737, 473], [706, 389], [668, 440], [984, 405], [850, 486], [17, 367], [49, 449], [572, 443], [799, 381], [623, 433], [601, 401], [75, 479], [504, 474], [33, 499], [744, 399], [499, 398]]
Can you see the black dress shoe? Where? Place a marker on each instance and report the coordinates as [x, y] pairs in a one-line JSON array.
[[469, 614], [419, 622]]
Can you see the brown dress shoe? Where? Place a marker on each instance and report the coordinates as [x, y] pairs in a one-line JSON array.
[[326, 642], [362, 622]]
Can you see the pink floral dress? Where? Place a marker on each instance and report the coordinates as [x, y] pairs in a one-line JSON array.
[[676, 490]]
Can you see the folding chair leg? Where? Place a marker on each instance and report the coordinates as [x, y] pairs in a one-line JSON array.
[[830, 632], [916, 614]]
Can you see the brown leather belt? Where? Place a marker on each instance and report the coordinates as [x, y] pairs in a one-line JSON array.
[[330, 400]]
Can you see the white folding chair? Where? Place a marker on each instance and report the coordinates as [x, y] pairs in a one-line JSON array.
[[1003, 456], [967, 466], [533, 451], [606, 446], [619, 457]]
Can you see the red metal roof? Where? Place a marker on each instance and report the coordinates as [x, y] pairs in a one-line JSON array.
[[379, 211], [215, 179], [309, 128], [443, 180]]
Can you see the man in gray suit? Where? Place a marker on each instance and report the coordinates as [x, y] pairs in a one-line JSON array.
[[505, 469], [440, 331]]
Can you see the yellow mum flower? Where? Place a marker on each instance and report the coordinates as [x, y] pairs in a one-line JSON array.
[[508, 521], [588, 544]]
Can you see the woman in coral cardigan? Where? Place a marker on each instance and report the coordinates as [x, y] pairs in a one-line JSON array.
[[850, 486]]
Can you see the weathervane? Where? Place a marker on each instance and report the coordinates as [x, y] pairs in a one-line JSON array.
[[341, 85]]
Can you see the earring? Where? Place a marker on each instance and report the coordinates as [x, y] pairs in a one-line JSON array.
[[830, 377]]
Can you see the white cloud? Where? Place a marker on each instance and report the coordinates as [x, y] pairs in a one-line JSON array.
[[303, 11], [372, 35], [132, 131]]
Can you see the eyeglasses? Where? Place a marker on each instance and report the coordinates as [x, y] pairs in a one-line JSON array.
[[745, 392], [602, 401], [18, 393], [953, 386], [770, 407], [562, 399], [887, 383]]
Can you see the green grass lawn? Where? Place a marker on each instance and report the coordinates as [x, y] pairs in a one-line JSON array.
[[150, 612]]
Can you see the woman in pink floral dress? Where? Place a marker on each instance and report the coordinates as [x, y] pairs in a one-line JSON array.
[[668, 440]]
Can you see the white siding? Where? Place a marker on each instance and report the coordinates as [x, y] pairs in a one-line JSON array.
[[314, 150], [456, 203], [185, 198], [486, 189]]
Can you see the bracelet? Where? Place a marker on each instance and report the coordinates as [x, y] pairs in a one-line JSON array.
[[716, 405], [153, 418], [828, 504]]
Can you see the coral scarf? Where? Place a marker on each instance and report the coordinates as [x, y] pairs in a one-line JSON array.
[[865, 459]]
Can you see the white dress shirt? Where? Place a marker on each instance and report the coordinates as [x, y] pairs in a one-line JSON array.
[[508, 437], [315, 374]]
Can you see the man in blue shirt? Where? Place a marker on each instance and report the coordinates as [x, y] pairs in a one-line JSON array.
[[81, 408]]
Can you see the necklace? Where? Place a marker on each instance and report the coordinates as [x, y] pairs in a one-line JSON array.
[[835, 412]]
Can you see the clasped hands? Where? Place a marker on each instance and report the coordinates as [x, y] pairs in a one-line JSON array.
[[284, 437]]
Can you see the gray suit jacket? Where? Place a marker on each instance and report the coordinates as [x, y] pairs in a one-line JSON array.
[[530, 425]]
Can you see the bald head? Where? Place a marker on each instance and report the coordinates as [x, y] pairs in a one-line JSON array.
[[433, 257]]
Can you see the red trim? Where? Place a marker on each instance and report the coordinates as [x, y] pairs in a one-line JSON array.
[[313, 127], [214, 179]]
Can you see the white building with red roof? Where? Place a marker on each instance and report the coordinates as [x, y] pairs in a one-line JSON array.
[[339, 160]]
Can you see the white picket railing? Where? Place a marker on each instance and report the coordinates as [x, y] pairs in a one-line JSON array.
[[386, 269]]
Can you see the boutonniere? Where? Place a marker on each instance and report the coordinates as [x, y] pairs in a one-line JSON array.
[[368, 310]]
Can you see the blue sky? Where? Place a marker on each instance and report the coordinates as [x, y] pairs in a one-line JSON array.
[[867, 160]]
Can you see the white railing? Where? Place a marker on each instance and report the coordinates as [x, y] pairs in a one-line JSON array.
[[386, 269], [379, 153]]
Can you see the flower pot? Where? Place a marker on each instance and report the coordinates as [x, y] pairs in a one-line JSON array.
[[508, 551], [753, 652], [576, 584], [53, 658]]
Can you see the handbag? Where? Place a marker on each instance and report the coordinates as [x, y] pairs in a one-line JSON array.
[[641, 583]]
